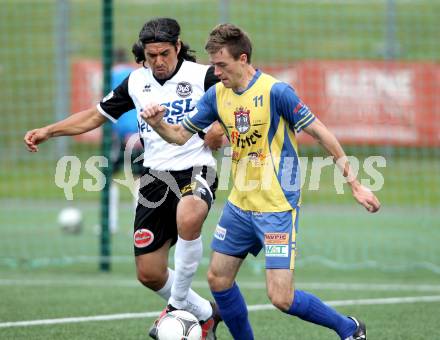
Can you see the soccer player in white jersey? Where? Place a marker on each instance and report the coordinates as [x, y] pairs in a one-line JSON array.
[[179, 182], [261, 116]]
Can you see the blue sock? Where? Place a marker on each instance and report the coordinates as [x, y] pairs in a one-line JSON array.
[[308, 307], [234, 312]]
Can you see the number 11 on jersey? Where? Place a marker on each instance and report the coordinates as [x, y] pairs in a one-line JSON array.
[[258, 100]]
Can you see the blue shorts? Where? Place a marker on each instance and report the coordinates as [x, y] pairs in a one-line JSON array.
[[240, 232]]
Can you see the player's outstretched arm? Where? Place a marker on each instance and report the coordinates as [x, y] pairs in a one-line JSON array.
[[153, 115], [75, 124], [362, 194]]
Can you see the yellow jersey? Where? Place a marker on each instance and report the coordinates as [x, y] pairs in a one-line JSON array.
[[260, 123]]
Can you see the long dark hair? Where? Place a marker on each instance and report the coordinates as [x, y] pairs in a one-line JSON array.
[[161, 30]]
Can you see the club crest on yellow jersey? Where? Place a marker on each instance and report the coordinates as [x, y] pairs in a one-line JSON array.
[[242, 120]]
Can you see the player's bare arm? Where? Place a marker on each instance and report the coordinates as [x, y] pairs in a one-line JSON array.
[[153, 115], [75, 124], [215, 137], [362, 194]]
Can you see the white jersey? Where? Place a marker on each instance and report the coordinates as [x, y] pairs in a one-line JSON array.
[[180, 95]]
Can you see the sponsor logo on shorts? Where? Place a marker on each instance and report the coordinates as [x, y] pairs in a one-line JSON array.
[[143, 238], [188, 188], [276, 250], [276, 238], [201, 191], [220, 233]]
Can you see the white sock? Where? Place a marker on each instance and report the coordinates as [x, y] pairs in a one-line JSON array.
[[187, 257], [196, 305], [165, 291]]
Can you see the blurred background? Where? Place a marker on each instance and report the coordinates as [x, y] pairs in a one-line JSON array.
[[368, 69]]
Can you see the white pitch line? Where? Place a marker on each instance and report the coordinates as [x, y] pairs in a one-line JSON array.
[[360, 302], [243, 284], [79, 319], [252, 308]]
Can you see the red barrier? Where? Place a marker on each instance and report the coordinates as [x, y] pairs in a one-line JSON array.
[[86, 91], [370, 102]]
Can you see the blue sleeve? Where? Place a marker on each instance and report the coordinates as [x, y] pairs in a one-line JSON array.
[[205, 114], [127, 123], [290, 107]]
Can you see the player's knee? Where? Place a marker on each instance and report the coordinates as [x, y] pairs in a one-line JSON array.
[[213, 280], [153, 280], [191, 216], [193, 220], [189, 227], [218, 282], [281, 301]]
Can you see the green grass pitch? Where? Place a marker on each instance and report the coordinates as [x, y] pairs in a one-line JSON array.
[[382, 268]]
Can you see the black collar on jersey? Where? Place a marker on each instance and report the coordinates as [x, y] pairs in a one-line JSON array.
[[162, 81]]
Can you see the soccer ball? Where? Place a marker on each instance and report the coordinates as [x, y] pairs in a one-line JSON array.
[[70, 220], [178, 325]]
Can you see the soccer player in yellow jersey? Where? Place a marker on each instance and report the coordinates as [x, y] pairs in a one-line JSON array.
[[261, 116]]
